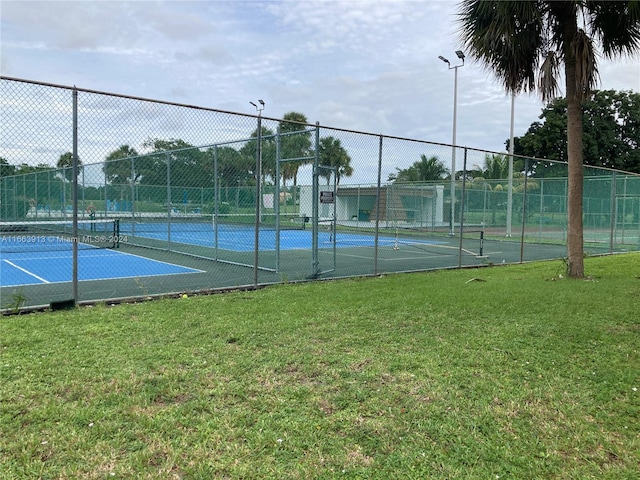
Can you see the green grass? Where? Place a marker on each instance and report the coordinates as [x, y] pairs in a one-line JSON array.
[[517, 374]]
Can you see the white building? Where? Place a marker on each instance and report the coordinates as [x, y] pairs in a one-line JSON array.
[[409, 204]]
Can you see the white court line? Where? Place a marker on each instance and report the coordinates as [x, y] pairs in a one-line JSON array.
[[106, 278], [193, 270], [97, 255], [27, 272]]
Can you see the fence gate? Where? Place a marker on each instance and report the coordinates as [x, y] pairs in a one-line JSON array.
[[627, 220], [323, 246]]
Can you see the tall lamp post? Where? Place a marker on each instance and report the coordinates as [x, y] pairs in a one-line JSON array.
[[256, 247], [453, 148], [510, 188]]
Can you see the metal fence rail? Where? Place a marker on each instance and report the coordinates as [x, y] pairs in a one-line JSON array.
[[203, 199]]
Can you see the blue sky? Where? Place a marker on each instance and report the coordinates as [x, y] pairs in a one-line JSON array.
[[365, 65]]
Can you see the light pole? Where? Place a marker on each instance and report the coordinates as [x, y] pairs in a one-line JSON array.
[[256, 247], [510, 188], [453, 148]]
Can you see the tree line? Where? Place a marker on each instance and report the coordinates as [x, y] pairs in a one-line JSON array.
[[192, 166], [611, 138], [236, 163]]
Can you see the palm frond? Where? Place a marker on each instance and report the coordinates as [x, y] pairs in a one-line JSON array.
[[506, 37], [616, 25], [586, 65], [548, 78]]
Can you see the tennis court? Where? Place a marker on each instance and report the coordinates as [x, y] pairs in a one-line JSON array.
[[160, 256], [241, 238], [345, 249], [36, 253], [39, 254], [32, 268], [147, 249]]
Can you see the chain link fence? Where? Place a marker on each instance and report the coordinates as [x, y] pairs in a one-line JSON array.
[[105, 197]]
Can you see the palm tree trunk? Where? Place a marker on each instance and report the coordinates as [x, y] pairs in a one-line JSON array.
[[575, 245]]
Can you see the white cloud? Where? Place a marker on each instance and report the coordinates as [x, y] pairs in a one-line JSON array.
[[367, 65]]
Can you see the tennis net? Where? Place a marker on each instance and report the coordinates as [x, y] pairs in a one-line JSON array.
[[159, 225], [30, 236]]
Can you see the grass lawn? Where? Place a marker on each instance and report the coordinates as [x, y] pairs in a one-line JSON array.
[[496, 373]]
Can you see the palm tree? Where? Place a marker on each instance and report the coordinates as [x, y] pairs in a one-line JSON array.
[[525, 41], [120, 171], [333, 154], [424, 170], [496, 166], [65, 164], [294, 145], [267, 151]]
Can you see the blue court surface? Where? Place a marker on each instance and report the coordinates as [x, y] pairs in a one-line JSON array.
[[242, 238], [40, 267]]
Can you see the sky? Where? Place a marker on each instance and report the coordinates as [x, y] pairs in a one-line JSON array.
[[369, 66]]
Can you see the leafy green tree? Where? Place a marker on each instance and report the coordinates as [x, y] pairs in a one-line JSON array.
[[611, 133], [6, 168], [26, 168], [424, 170], [234, 169], [190, 166], [515, 39], [333, 154]]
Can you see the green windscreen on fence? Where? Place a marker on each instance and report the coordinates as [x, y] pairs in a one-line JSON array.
[[171, 199]]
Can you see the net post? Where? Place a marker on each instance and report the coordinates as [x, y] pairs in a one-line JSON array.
[[116, 233]]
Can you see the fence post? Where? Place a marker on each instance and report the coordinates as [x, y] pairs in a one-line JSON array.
[[256, 246], [541, 212], [216, 201], [378, 190], [133, 191], [74, 173], [461, 214], [169, 205], [612, 220], [524, 208], [276, 198], [314, 207]]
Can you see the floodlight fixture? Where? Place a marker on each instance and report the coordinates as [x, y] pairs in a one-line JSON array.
[[444, 59], [260, 107], [460, 55]]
